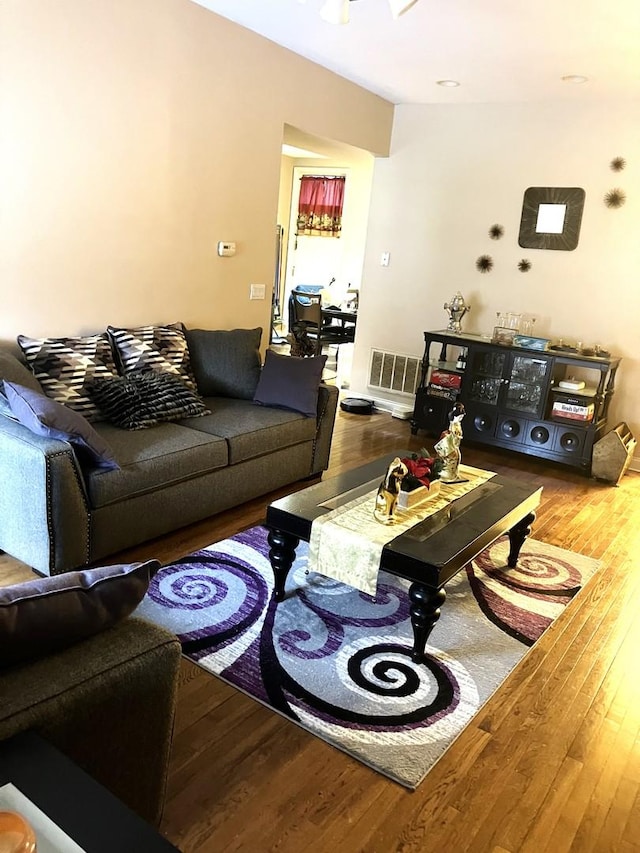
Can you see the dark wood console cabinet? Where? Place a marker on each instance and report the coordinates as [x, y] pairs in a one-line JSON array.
[[509, 394]]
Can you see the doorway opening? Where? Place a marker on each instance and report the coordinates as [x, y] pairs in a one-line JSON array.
[[334, 264]]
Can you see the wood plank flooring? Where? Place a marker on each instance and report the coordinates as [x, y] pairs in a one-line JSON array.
[[552, 762]]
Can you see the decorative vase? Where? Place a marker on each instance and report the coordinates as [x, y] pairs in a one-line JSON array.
[[417, 496], [457, 308]]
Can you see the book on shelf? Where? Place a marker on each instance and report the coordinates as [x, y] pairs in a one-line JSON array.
[[444, 393], [445, 379], [572, 411]]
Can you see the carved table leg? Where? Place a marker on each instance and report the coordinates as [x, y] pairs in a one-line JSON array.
[[425, 612], [281, 554], [517, 535]]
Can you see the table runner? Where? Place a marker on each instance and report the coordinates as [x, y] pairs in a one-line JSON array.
[[346, 543]]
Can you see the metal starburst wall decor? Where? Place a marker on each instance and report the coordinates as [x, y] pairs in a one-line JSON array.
[[484, 263], [615, 198]]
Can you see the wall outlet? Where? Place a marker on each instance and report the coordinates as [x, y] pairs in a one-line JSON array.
[[385, 257], [257, 291]]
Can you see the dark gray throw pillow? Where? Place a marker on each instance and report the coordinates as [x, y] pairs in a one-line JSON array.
[[44, 416], [13, 370], [225, 363], [145, 399], [45, 615], [287, 382]]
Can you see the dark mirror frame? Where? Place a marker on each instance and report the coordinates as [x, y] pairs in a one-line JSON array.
[[572, 197]]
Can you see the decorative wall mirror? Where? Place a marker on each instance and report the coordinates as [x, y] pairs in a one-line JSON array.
[[551, 218]]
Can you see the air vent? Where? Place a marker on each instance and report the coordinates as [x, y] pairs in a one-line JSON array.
[[394, 372]]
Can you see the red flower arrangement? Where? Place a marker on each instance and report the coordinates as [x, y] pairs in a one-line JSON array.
[[422, 470]]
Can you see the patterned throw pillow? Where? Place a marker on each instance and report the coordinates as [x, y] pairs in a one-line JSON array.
[[144, 399], [65, 366], [160, 348]]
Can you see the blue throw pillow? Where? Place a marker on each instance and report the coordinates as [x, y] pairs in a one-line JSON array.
[[44, 416], [288, 382]]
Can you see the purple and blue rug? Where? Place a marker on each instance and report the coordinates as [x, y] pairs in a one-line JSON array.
[[338, 662]]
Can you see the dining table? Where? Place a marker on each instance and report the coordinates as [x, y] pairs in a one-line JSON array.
[[345, 318]]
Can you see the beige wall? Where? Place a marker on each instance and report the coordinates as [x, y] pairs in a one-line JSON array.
[[456, 170], [133, 137]]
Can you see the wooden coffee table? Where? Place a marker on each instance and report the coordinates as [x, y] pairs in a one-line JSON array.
[[430, 553]]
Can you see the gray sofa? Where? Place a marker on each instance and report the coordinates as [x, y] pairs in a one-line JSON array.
[[56, 516], [108, 703]]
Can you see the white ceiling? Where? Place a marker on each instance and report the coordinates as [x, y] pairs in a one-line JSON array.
[[499, 50]]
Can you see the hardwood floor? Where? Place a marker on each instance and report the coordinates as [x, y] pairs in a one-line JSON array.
[[552, 763]]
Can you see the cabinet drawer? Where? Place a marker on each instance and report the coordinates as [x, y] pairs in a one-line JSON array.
[[511, 429], [480, 424], [569, 441], [540, 435]]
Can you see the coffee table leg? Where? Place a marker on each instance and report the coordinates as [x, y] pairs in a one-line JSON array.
[[282, 554], [425, 612], [517, 535]]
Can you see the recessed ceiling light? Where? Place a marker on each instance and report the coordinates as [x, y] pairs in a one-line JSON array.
[[574, 78], [451, 84]]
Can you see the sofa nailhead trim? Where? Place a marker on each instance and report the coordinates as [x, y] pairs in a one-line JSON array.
[[50, 527]]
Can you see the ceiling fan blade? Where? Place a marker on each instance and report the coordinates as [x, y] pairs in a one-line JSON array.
[[399, 7]]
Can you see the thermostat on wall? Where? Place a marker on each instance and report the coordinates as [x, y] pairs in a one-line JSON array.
[[226, 250]]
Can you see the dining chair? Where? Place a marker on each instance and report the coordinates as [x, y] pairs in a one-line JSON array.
[[306, 310]]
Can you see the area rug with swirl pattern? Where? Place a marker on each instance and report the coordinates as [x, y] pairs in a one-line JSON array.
[[338, 662]]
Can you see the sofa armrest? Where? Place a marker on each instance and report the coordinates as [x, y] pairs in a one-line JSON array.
[[327, 408], [108, 703], [44, 515]]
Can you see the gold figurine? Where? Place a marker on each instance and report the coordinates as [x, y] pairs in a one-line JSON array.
[[387, 497]]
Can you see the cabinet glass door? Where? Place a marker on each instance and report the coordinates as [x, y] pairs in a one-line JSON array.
[[485, 369], [526, 384]]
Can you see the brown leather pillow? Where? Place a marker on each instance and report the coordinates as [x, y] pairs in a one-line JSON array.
[[45, 615]]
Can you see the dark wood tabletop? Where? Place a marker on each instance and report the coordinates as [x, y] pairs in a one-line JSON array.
[[428, 554], [445, 539], [89, 814], [339, 314]]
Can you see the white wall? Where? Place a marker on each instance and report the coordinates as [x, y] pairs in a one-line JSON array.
[[456, 170]]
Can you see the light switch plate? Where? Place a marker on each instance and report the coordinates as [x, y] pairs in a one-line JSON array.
[[257, 291]]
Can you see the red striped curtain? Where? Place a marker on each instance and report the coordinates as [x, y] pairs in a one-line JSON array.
[[320, 205]]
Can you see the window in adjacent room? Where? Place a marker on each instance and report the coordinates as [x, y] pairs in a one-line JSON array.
[[320, 205]]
